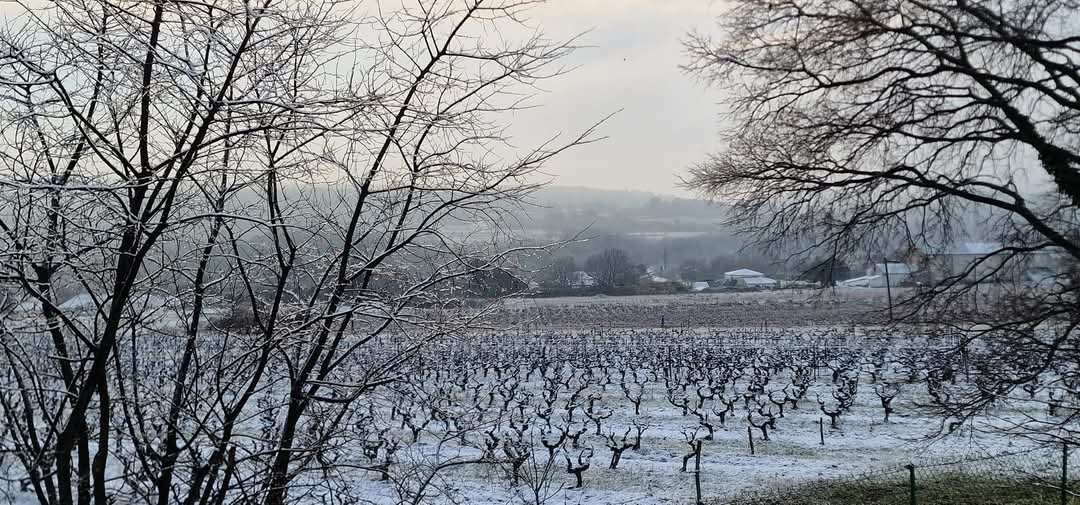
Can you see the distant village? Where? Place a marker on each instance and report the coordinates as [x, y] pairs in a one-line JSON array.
[[612, 273], [973, 261]]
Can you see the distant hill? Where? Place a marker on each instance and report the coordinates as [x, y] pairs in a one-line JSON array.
[[655, 229], [616, 199], [575, 195], [559, 210]]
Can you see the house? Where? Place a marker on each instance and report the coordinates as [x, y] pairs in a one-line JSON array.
[[742, 273], [698, 286], [78, 304], [655, 279], [581, 279], [870, 281], [947, 260], [984, 261], [891, 273], [759, 282], [747, 278], [943, 261], [864, 281]]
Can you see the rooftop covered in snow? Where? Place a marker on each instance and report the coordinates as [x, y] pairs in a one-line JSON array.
[[744, 272]]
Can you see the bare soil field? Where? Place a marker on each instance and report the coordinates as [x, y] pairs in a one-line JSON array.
[[787, 308]]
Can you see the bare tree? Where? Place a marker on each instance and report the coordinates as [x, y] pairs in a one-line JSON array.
[[866, 126], [694, 269], [560, 274], [332, 176], [611, 268]]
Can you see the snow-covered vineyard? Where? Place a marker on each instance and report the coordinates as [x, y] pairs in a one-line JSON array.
[[575, 417], [739, 252], [579, 418]]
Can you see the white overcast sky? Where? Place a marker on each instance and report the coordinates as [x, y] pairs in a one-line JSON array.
[[631, 63]]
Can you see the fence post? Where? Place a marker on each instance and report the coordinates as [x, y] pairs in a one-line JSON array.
[[697, 474], [911, 485], [1064, 473], [750, 437], [821, 429]]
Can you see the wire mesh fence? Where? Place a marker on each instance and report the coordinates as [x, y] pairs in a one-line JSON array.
[[1032, 477]]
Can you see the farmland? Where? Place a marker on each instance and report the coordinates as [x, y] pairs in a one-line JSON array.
[[608, 415], [834, 307], [628, 411]]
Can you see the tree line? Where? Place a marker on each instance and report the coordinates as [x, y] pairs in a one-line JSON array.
[[615, 271]]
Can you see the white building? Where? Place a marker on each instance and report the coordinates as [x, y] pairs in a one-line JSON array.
[[581, 279], [985, 262], [880, 274], [759, 282], [945, 261], [863, 281], [742, 273], [81, 304], [892, 273], [744, 277]]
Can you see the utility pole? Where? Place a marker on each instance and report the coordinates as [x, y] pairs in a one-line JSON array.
[[888, 287]]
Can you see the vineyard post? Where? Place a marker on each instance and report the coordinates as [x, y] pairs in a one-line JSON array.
[[1064, 473], [697, 473], [821, 429], [911, 484], [750, 437]]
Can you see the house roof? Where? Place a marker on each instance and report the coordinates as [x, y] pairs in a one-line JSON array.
[[744, 272], [863, 281], [77, 302], [986, 248], [964, 248], [895, 268]]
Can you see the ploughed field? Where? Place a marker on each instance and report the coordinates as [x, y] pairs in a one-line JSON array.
[[788, 308]]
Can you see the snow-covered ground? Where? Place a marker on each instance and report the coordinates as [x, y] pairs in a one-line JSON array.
[[794, 454], [492, 386]]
